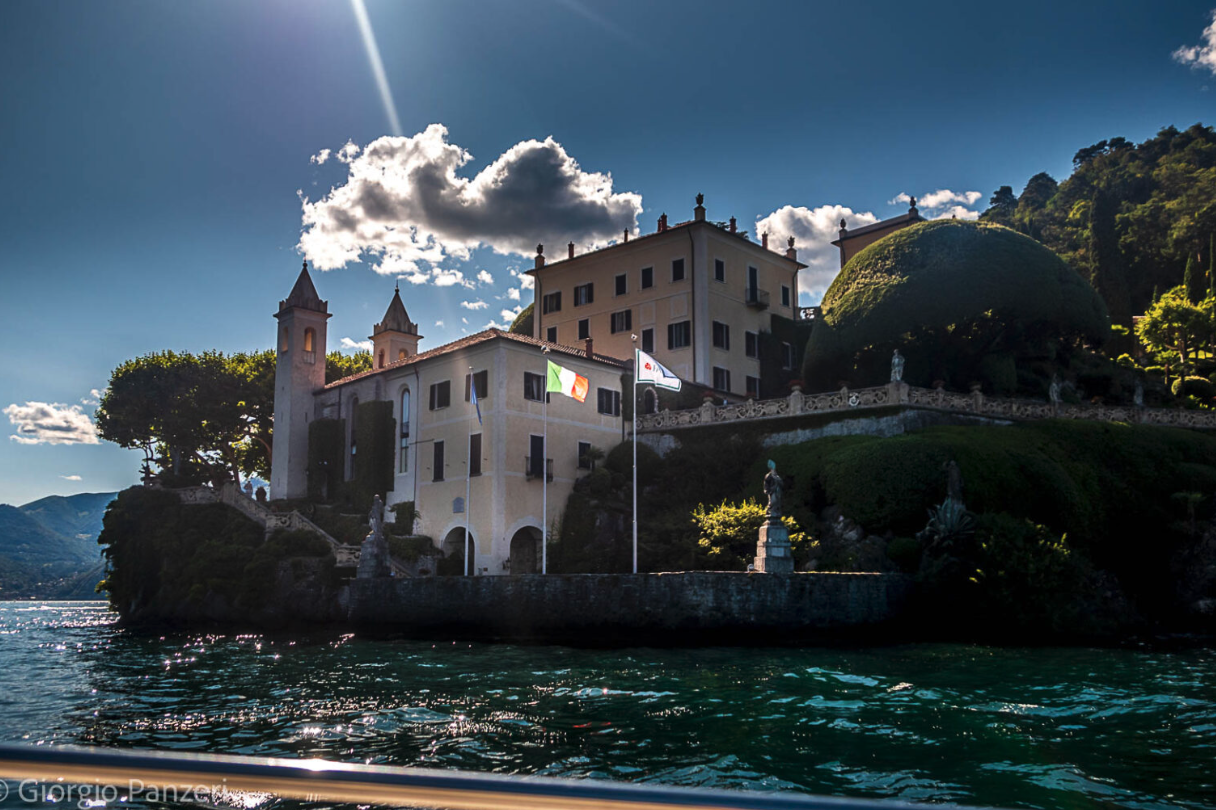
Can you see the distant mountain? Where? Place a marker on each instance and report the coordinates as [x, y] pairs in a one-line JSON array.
[[48, 548]]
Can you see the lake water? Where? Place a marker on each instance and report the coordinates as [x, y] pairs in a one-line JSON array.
[[1013, 727]]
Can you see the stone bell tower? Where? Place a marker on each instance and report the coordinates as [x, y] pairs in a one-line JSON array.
[[299, 372], [396, 336]]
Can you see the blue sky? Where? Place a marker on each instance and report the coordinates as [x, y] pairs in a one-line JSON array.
[[156, 155]]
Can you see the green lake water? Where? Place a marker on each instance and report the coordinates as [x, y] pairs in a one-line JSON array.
[[1013, 727]]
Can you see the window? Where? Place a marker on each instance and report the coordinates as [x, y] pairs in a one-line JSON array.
[[584, 463], [677, 269], [482, 380], [584, 329], [608, 401], [647, 277], [787, 356], [753, 387], [721, 336], [622, 321], [380, 359], [535, 461], [785, 296], [534, 386], [719, 270], [584, 294], [551, 334], [751, 344], [622, 284], [679, 335], [404, 464], [437, 471], [475, 454], [285, 340], [354, 423], [402, 354], [310, 335], [441, 395], [648, 340], [551, 303], [721, 379]]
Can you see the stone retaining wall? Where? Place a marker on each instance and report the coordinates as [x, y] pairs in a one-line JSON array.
[[612, 609]]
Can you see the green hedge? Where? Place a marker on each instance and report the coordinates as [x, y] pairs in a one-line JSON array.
[[375, 434], [326, 459]]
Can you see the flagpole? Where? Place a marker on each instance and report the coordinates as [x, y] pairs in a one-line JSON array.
[[634, 397], [468, 469], [544, 474]]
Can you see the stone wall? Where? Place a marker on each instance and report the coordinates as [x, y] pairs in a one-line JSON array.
[[676, 608]]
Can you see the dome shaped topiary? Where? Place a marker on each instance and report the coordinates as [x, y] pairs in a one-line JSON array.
[[946, 272]]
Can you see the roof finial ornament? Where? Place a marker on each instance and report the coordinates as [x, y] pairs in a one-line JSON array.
[[844, 226], [700, 199], [791, 241], [911, 205]]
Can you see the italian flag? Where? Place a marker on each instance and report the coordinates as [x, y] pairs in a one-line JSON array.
[[565, 381]]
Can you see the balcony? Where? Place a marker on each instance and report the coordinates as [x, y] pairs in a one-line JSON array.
[[310, 357], [532, 468], [755, 297]]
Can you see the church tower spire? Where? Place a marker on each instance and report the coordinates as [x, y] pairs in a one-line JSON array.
[[299, 371], [396, 336]]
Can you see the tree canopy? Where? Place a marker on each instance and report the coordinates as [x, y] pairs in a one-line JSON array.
[[1129, 216], [522, 325], [201, 417], [946, 280]]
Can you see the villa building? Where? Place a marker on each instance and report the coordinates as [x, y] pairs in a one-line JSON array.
[[852, 242], [695, 295], [440, 449]]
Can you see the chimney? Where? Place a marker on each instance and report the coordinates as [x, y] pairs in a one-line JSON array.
[[540, 256], [733, 227], [588, 344], [626, 234], [764, 240], [698, 213], [570, 248], [790, 253], [662, 223]]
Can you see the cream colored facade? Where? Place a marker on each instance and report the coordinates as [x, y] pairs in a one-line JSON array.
[[506, 507], [756, 283], [852, 242]]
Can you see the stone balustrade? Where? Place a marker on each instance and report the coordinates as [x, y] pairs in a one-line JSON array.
[[898, 393]]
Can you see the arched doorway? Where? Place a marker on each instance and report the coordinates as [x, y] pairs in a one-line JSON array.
[[650, 401], [525, 551], [452, 564]]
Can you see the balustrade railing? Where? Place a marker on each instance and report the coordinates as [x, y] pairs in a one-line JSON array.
[[898, 393]]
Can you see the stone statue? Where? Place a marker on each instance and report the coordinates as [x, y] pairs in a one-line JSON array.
[[1053, 391], [376, 517], [773, 487], [1138, 396], [954, 481], [897, 367]]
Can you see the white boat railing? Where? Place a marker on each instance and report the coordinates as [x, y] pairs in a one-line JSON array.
[[207, 777]]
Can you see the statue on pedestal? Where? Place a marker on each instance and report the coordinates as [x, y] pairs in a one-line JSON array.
[[1053, 390], [954, 481], [373, 553], [897, 367], [1138, 395], [773, 487]]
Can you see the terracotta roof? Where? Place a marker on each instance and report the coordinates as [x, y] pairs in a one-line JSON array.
[[396, 319], [670, 228], [911, 216], [475, 340], [304, 294]]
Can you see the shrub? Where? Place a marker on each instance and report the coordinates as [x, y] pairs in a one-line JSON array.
[[905, 552], [409, 549], [729, 533], [1199, 387]]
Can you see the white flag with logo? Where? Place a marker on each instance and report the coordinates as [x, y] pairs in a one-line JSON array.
[[652, 371]]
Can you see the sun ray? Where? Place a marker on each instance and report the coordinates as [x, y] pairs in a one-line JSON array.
[[373, 58]]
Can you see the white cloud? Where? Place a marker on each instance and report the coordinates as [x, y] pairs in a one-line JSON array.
[[484, 277], [813, 230], [51, 423], [465, 321], [355, 345], [94, 397], [956, 211], [943, 203], [474, 305], [1200, 57], [513, 293], [439, 324], [403, 207], [509, 315], [526, 282], [320, 157], [71, 478]]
